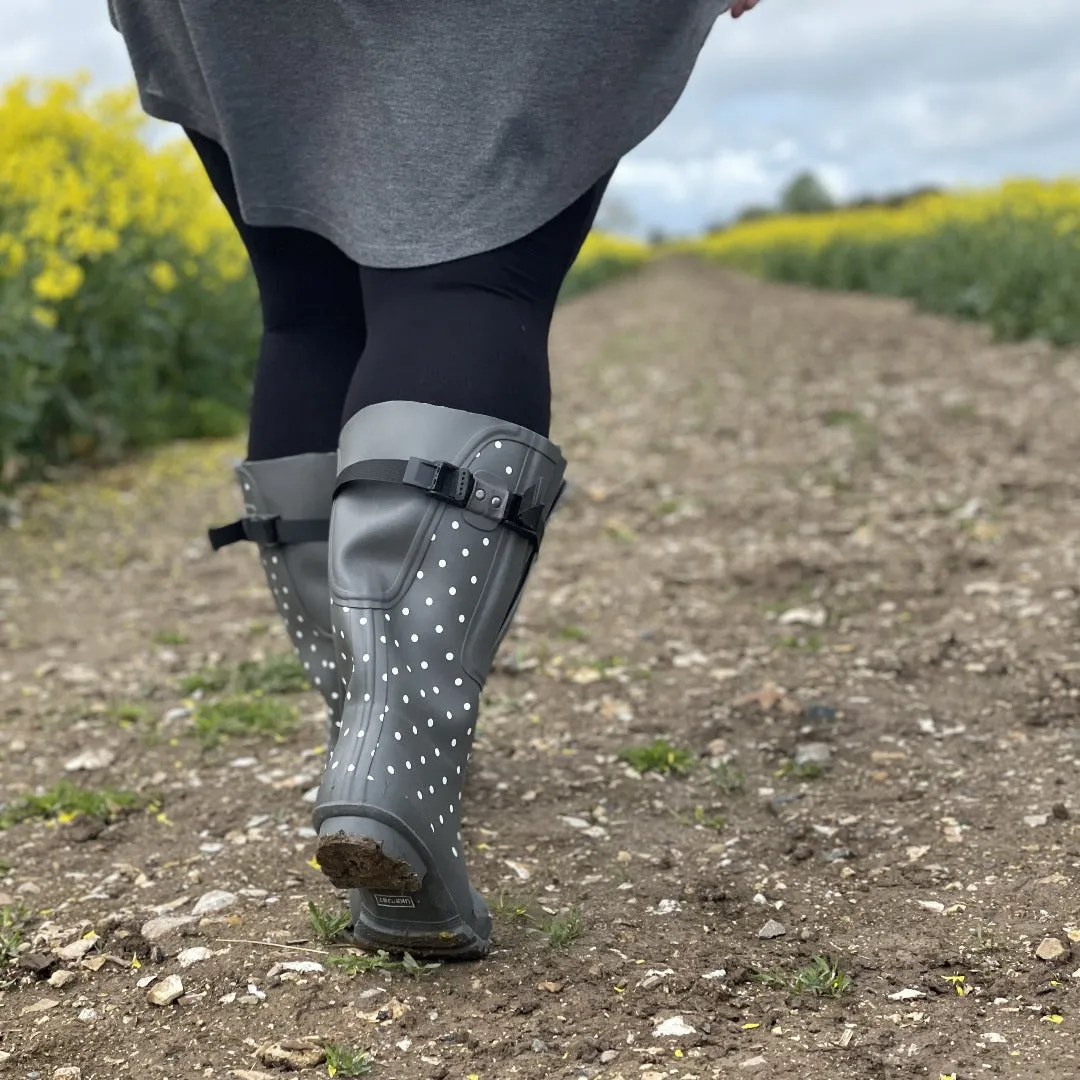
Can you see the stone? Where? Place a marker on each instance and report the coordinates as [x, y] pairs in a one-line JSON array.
[[39, 1006], [67, 1072], [772, 929], [168, 926], [62, 978], [186, 957], [815, 616], [213, 902], [38, 963], [673, 1027], [251, 1074], [77, 949], [166, 992], [608, 1056], [1051, 949], [296, 1055], [100, 757], [88, 1016], [813, 753]]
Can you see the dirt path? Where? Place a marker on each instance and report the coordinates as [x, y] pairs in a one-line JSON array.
[[826, 546]]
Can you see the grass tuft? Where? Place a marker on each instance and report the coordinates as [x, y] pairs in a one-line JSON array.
[[64, 801], [248, 714], [659, 757], [561, 930], [326, 925], [353, 964], [341, 1060], [821, 977]]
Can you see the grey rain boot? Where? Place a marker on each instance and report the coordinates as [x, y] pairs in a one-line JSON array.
[[287, 501], [437, 519]]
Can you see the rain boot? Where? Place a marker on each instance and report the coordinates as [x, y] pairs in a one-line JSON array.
[[287, 502], [437, 519]]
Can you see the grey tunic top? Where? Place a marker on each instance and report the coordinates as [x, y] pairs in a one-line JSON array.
[[411, 132]]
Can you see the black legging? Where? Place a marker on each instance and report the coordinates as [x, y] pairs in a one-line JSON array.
[[469, 334]]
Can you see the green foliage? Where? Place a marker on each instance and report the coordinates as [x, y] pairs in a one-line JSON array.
[[64, 801], [659, 756], [805, 194], [249, 714]]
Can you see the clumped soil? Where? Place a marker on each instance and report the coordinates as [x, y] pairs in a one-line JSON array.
[[825, 546]]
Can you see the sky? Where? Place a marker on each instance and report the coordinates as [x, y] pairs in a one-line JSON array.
[[874, 96]]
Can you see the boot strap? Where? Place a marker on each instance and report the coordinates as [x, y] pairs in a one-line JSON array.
[[269, 530], [524, 512]]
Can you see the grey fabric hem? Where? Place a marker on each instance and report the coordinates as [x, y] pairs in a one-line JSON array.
[[401, 257]]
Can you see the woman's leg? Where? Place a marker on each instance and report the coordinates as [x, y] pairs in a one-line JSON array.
[[446, 481], [313, 333], [472, 334], [313, 327]]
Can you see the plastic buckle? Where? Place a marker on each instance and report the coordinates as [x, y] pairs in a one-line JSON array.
[[441, 480], [262, 529]]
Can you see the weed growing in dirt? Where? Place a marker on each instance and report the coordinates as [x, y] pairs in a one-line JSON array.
[[809, 642], [274, 675], [359, 964], [561, 930], [508, 907], [64, 801], [807, 770], [729, 778], [573, 633], [130, 714], [13, 921], [170, 637], [5, 867], [708, 821], [326, 924], [343, 1061], [243, 715], [822, 977], [660, 757]]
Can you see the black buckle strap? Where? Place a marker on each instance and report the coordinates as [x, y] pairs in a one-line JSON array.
[[270, 530], [523, 512]]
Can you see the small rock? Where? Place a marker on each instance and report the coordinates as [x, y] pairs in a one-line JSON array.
[[814, 615], [772, 929], [539, 1046], [62, 978], [213, 902], [197, 955], [291, 1055], [38, 963], [719, 973], [1060, 812], [668, 907], [251, 1074], [67, 1072], [753, 1063], [608, 1056], [907, 995], [88, 1016], [166, 992], [39, 1006], [574, 822], [674, 1026], [1034, 821], [813, 753], [78, 949], [168, 926], [1050, 949], [817, 713], [303, 967], [95, 758]]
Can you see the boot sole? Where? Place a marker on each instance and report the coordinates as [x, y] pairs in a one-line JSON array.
[[362, 862], [386, 876]]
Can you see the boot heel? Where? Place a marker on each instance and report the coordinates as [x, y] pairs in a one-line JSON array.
[[361, 853]]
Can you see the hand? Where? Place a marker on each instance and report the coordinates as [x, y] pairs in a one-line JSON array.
[[740, 7]]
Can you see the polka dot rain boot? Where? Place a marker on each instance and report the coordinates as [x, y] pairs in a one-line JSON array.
[[287, 503], [437, 519]]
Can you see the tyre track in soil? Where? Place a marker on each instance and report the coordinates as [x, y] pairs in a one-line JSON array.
[[749, 461]]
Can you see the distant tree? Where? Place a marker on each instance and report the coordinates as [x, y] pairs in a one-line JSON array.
[[754, 212], [657, 236], [805, 194]]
